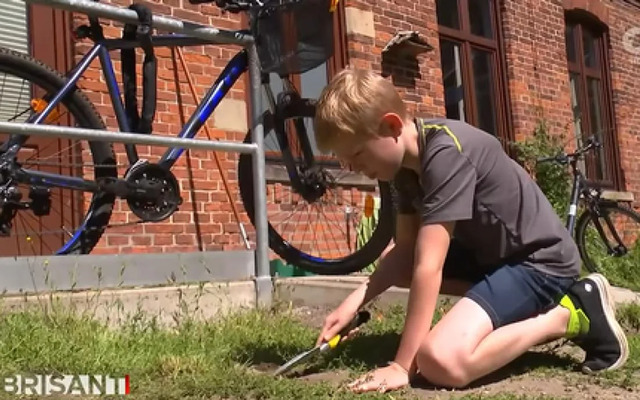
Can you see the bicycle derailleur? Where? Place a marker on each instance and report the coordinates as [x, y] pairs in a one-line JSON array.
[[11, 197], [157, 193], [10, 202]]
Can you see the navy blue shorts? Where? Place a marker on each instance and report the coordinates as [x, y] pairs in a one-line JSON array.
[[508, 293]]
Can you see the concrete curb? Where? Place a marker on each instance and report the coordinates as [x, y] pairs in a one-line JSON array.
[[166, 304], [330, 291], [211, 300]]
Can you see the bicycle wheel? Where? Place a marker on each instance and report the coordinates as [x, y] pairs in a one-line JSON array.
[[610, 243], [332, 234], [75, 220]]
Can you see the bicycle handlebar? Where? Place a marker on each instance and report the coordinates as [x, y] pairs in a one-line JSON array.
[[564, 158]]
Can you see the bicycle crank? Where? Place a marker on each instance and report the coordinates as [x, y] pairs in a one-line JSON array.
[[159, 194]]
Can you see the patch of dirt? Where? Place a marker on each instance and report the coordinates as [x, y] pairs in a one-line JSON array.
[[265, 367], [538, 386], [563, 384], [530, 385], [311, 316]]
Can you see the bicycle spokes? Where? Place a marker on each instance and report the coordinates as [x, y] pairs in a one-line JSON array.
[[34, 218], [317, 215], [612, 242]]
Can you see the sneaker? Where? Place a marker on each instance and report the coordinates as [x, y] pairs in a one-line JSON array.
[[603, 339]]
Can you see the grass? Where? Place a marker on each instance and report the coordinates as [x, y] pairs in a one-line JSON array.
[[207, 360], [623, 271], [620, 271]]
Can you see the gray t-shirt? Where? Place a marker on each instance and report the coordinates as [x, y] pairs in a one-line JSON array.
[[500, 212]]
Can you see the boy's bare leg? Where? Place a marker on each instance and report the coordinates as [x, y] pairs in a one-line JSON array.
[[463, 346]]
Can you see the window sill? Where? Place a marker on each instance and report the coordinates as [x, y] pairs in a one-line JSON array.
[[618, 196], [277, 174]]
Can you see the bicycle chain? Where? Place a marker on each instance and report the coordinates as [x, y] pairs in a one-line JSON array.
[[63, 231], [74, 165]]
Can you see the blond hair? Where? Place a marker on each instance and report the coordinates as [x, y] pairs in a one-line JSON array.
[[353, 104]]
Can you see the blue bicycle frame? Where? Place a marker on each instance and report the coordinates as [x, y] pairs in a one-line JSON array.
[[234, 69]]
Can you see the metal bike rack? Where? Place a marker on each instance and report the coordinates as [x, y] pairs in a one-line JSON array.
[[256, 148]]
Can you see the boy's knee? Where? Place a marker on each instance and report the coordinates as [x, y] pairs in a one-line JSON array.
[[442, 367]]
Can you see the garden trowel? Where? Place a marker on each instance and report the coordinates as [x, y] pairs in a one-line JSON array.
[[359, 319]]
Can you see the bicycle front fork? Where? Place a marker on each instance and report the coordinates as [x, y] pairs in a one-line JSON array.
[[573, 204]]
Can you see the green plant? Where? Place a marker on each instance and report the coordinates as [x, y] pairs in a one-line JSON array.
[[364, 232], [553, 179], [629, 316], [621, 271]]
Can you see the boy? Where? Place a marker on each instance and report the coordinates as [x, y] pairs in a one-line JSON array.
[[471, 223]]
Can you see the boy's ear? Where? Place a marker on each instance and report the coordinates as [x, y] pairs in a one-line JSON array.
[[391, 125]]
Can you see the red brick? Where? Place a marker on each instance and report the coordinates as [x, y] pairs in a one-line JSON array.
[[537, 86]]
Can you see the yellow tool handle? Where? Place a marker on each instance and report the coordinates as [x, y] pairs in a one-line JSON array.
[[334, 341]]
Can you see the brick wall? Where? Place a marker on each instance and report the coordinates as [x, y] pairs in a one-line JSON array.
[[538, 79], [625, 76], [537, 83], [536, 66], [370, 26], [197, 173]]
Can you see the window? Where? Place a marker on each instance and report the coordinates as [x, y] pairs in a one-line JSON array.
[[13, 35], [13, 26], [590, 99], [471, 63], [311, 83]]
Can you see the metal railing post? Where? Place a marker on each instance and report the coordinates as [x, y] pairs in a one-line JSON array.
[[264, 287]]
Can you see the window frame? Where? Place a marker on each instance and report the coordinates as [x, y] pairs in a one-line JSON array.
[[613, 172], [334, 64], [337, 62], [495, 46]]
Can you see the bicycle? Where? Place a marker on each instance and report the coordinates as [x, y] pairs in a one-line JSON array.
[[607, 233], [82, 179]]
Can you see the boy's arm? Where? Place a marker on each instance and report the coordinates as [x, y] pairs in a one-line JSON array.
[[430, 252], [395, 267]]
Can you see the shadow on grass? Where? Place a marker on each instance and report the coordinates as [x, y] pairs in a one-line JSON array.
[[362, 351], [369, 351], [259, 354]]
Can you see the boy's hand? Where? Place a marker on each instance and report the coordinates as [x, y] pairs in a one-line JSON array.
[[384, 379], [334, 323]]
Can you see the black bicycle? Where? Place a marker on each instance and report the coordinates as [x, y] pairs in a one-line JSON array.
[[58, 199], [606, 232]]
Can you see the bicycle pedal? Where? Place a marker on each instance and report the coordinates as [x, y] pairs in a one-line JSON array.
[[40, 200]]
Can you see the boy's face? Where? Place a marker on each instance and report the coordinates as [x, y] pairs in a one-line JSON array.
[[376, 157]]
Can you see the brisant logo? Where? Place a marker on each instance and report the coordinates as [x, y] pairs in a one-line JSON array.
[[83, 385], [631, 43]]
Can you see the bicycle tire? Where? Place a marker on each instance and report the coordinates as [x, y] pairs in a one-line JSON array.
[[354, 262], [581, 231], [85, 115]]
